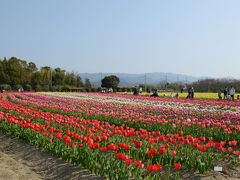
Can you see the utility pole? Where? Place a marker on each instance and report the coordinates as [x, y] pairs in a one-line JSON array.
[[145, 82], [50, 78], [101, 78], [166, 82]]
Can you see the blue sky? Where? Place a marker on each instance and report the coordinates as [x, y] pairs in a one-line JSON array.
[[193, 37]]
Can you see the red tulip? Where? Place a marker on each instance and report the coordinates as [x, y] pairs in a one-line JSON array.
[[128, 162], [138, 144], [202, 138], [237, 152], [80, 145], [180, 133], [166, 145], [138, 163], [153, 151], [71, 144], [149, 154], [122, 145], [149, 168], [104, 138], [162, 150], [127, 147], [178, 145], [157, 167], [173, 153], [202, 148], [177, 165], [103, 149]]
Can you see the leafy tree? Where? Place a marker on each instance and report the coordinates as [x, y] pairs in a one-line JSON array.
[[45, 75], [73, 79], [27, 87], [32, 67], [67, 79], [3, 78], [17, 72], [35, 81], [87, 84], [58, 76], [110, 82], [14, 70], [79, 81]]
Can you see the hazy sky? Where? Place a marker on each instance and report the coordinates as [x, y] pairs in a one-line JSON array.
[[193, 37]]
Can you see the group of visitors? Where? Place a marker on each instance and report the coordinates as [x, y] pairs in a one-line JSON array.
[[137, 91], [190, 93], [228, 94], [110, 90], [155, 93]]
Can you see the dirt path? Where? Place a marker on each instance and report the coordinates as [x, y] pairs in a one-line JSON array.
[[19, 160], [11, 169]]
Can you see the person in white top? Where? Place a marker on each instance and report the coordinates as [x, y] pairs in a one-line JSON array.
[[232, 92]]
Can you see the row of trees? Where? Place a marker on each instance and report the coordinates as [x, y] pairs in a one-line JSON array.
[[17, 74], [213, 85]]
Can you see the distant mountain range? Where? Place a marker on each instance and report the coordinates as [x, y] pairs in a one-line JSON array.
[[136, 79]]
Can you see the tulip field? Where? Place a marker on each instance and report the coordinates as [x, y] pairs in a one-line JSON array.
[[120, 136]]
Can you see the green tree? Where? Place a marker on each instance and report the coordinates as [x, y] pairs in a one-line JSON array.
[[79, 81], [16, 71], [35, 81], [32, 67], [73, 79], [67, 79], [58, 77], [87, 84], [3, 79], [45, 76], [110, 82]]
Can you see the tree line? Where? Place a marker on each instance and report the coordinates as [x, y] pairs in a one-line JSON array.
[[214, 85], [18, 74]]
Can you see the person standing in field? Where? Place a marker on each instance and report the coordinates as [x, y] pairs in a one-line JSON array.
[[135, 91], [220, 94], [177, 96], [148, 90], [189, 93], [225, 93], [140, 91], [232, 92], [192, 92], [155, 93]]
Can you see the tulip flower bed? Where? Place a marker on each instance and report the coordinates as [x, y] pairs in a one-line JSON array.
[[124, 136]]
